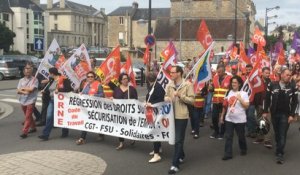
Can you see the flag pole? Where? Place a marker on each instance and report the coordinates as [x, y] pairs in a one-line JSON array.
[[209, 48]]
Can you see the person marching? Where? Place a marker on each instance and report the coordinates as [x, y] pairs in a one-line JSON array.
[[198, 112], [281, 101], [56, 84], [94, 88], [234, 111], [27, 89], [180, 93], [156, 96], [124, 91], [221, 82]]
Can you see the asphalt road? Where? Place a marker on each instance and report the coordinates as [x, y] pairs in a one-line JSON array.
[[203, 156]]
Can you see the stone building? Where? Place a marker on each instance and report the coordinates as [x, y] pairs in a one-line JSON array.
[[25, 18], [287, 31], [73, 24], [128, 25], [220, 19]]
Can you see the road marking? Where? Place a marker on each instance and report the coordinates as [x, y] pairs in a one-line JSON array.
[[10, 100]]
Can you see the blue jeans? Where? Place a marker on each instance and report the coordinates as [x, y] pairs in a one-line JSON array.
[[198, 116], [240, 131], [251, 119], [50, 121], [180, 127], [208, 103], [280, 126]]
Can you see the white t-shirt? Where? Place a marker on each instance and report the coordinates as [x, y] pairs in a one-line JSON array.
[[236, 113]]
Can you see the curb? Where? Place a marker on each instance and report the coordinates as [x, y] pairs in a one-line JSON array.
[[5, 110]]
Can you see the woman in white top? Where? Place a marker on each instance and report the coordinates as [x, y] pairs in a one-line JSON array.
[[235, 104]]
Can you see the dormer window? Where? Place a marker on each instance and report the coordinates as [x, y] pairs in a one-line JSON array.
[[121, 20]]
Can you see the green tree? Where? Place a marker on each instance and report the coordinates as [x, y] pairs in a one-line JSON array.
[[6, 37]]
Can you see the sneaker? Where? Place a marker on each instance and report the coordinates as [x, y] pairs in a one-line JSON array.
[[220, 137], [155, 158], [80, 141], [173, 170], [279, 159], [192, 132], [196, 136], [213, 136], [268, 144], [181, 160], [258, 141], [23, 136], [42, 137]]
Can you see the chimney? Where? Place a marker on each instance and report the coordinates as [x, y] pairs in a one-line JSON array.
[[62, 4], [49, 4], [135, 5], [102, 10]]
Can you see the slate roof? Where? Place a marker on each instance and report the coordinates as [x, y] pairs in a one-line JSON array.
[[4, 6], [87, 10], [25, 4], [168, 28], [141, 13]]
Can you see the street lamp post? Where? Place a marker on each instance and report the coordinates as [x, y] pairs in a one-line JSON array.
[[266, 19], [235, 23]]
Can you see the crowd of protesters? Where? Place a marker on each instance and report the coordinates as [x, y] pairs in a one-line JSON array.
[[221, 98]]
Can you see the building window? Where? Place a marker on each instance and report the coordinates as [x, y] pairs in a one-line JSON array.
[[121, 18], [79, 27], [5, 17], [55, 27], [75, 27], [36, 31], [55, 17]]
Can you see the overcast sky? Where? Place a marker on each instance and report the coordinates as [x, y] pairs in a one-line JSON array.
[[288, 13]]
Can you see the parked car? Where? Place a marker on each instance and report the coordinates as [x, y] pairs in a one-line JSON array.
[[20, 61], [8, 69]]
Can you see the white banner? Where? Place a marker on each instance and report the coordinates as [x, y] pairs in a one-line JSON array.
[[120, 118], [52, 58], [77, 66]]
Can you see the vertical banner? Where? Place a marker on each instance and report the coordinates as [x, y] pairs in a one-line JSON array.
[[77, 66], [119, 118], [52, 58]]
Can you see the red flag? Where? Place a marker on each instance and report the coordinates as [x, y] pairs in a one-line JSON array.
[[281, 57], [169, 56], [243, 55], [109, 70], [258, 37], [234, 53], [147, 55], [127, 68], [203, 35]]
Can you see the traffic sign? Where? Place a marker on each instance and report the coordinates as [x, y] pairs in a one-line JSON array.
[[150, 40], [39, 44]]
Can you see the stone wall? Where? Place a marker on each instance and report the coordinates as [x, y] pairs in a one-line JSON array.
[[190, 48], [114, 27]]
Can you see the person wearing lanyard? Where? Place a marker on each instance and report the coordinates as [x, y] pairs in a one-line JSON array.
[[94, 88], [124, 91]]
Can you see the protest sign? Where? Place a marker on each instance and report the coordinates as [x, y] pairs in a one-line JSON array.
[[119, 118]]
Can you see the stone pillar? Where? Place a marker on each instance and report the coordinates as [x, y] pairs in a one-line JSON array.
[[93, 34]]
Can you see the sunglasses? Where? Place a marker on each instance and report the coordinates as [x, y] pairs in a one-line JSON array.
[[90, 76]]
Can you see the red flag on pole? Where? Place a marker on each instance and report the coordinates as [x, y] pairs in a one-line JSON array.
[[203, 35], [127, 68], [147, 55]]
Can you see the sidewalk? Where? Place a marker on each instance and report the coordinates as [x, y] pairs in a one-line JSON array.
[[48, 162]]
